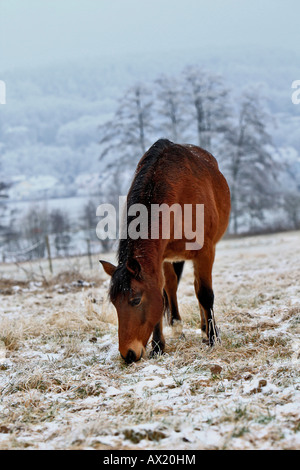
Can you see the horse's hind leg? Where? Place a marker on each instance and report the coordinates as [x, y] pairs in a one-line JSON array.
[[204, 292], [172, 273]]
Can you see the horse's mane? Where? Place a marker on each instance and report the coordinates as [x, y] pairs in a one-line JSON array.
[[141, 192]]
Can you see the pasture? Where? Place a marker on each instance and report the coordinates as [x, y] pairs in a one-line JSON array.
[[63, 384]]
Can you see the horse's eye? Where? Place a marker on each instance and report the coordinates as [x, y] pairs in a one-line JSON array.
[[135, 301]]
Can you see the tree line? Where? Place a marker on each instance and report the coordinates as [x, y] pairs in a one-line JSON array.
[[25, 238], [198, 107]]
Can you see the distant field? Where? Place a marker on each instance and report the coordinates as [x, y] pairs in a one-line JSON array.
[[64, 386]]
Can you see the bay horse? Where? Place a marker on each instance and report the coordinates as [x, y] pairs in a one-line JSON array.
[[144, 283]]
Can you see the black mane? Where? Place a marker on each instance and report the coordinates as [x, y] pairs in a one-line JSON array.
[[140, 192]]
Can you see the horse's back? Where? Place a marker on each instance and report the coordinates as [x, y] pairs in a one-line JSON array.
[[171, 173], [215, 187], [196, 178]]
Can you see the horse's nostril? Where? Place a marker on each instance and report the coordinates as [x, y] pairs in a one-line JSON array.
[[130, 357]]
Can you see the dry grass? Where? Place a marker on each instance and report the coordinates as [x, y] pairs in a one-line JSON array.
[[64, 386]]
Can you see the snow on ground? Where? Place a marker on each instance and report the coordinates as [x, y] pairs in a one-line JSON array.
[[63, 384]]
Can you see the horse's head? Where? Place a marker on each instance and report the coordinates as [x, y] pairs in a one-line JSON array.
[[139, 302]]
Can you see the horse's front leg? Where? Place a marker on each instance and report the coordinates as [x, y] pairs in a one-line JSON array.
[[171, 285], [158, 340]]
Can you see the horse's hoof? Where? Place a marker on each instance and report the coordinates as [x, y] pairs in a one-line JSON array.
[[157, 351], [213, 341]]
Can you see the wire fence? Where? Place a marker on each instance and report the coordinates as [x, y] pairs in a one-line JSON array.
[[54, 245]]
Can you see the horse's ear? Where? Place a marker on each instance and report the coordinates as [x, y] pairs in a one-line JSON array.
[[109, 268], [134, 267]]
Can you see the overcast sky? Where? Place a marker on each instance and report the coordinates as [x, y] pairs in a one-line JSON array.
[[34, 32]]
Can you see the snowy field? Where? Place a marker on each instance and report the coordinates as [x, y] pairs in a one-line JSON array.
[[64, 386]]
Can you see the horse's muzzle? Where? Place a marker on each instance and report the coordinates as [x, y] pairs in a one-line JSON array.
[[131, 357]]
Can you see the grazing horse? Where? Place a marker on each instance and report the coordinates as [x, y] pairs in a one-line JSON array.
[[145, 281]]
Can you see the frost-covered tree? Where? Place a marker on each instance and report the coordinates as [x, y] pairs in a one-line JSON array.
[[170, 108], [250, 163], [89, 215], [128, 134], [291, 205], [59, 221], [3, 185], [207, 105], [34, 226], [3, 195]]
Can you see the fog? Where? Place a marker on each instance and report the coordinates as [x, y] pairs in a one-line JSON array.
[[67, 65], [35, 33]]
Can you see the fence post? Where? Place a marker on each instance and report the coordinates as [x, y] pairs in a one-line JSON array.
[[49, 253]]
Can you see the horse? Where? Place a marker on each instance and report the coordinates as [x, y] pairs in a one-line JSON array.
[[144, 284]]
